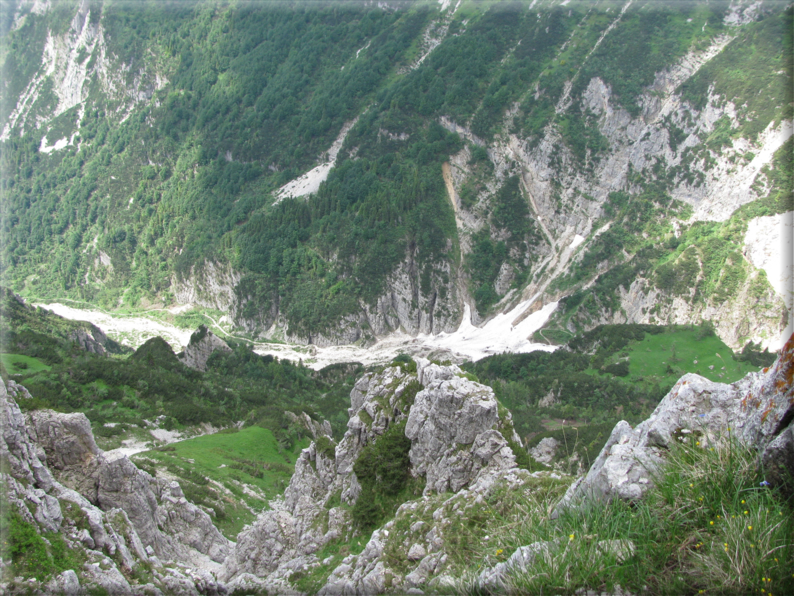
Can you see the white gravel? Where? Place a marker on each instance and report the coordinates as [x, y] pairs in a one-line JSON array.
[[131, 331], [500, 334]]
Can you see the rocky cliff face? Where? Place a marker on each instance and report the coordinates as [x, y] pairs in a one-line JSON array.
[[115, 516], [655, 144], [71, 63], [714, 187]]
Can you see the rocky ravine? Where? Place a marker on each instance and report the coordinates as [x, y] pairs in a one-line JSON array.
[[458, 443], [121, 519]]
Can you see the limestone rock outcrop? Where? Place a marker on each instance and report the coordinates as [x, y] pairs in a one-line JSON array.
[[459, 442], [71, 451], [758, 410], [457, 435], [202, 344], [545, 451], [286, 537], [119, 516], [92, 339], [453, 430], [316, 429]]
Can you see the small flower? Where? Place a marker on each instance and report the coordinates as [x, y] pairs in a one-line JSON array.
[[764, 483], [691, 486], [570, 537], [742, 501], [499, 551], [746, 512], [711, 523], [749, 527]]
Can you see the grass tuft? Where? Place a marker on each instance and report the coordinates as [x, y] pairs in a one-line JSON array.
[[710, 523]]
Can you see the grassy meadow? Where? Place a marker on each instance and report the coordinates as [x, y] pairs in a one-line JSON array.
[[233, 472]]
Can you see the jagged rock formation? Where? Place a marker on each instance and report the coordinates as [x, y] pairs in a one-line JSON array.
[[450, 412], [757, 409], [202, 344], [315, 428], [545, 451], [116, 515], [459, 442], [91, 340]]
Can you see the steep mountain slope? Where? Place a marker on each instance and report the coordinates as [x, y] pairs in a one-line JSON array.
[[330, 173]]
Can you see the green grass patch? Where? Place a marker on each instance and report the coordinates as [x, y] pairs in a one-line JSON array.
[[666, 356], [251, 456], [33, 554], [18, 364]]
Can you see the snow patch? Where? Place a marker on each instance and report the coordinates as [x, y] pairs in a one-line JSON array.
[[577, 240], [59, 144], [500, 334]]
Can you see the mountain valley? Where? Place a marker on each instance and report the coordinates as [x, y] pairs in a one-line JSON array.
[[407, 296]]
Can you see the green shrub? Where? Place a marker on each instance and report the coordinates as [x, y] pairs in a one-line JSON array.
[[385, 463], [619, 369], [27, 548], [326, 446], [383, 470]]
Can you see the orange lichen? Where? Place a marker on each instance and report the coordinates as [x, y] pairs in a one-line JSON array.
[[765, 414]]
